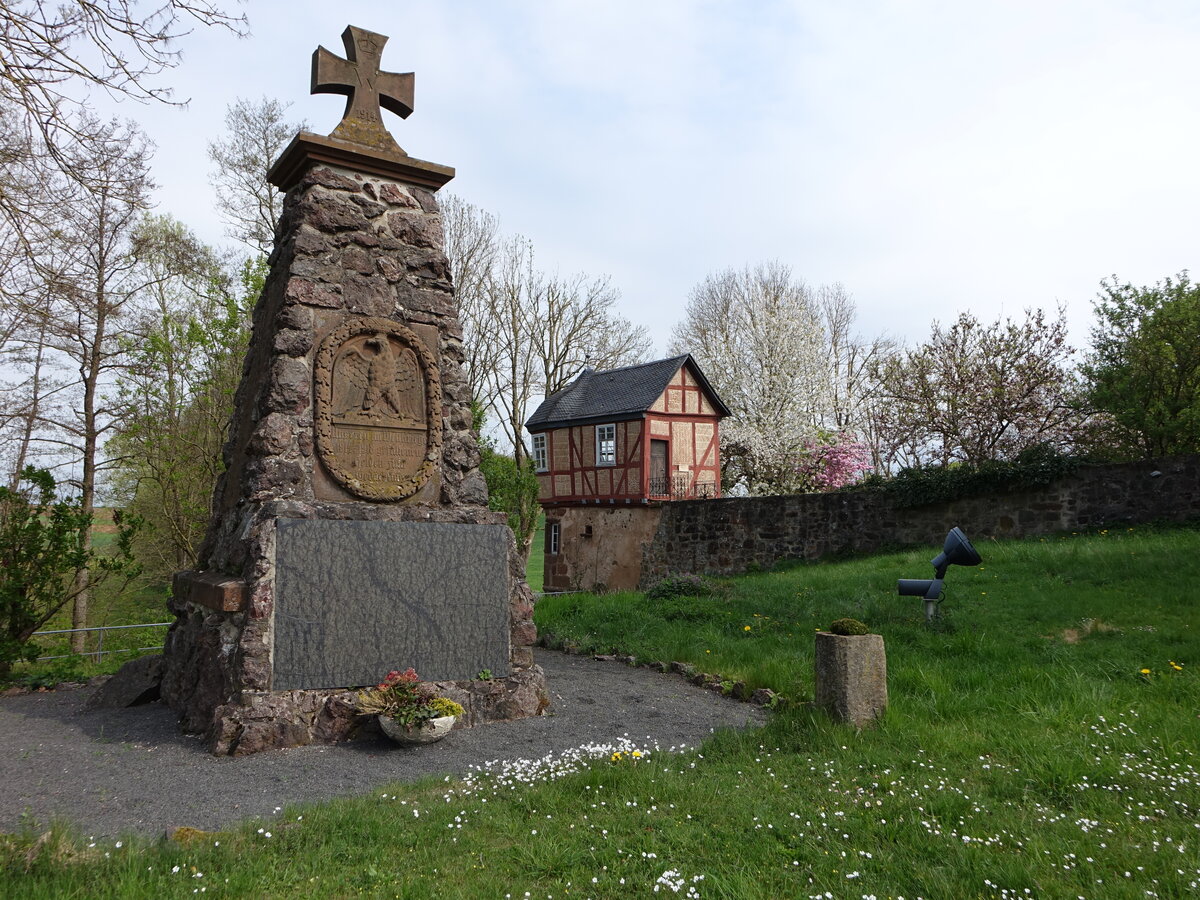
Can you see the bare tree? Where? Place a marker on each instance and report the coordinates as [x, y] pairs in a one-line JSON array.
[[852, 361], [25, 363], [473, 246], [93, 279], [53, 49], [256, 133], [32, 399], [53, 53], [526, 332], [542, 330], [976, 392], [580, 329], [507, 322]]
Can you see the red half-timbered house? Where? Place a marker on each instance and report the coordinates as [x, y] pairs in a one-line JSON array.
[[621, 440]]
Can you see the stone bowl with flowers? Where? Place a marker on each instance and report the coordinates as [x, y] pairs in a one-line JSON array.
[[408, 711]]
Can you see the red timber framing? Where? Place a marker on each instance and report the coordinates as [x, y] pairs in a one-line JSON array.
[[573, 474], [686, 465]]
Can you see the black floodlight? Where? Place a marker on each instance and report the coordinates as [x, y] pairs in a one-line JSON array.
[[956, 551]]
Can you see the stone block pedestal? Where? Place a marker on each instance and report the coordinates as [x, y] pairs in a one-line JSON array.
[[851, 677]]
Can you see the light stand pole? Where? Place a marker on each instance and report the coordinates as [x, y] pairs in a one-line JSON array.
[[956, 551]]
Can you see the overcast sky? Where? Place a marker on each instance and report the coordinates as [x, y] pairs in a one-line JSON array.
[[933, 157]]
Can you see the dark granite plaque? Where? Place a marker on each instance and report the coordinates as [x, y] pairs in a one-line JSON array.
[[354, 600]]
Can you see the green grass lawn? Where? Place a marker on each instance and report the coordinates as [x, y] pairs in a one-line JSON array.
[[535, 566], [1041, 741]]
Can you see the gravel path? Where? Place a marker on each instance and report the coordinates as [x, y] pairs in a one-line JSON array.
[[114, 771]]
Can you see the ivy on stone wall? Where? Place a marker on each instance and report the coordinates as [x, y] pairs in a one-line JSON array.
[[1036, 467]]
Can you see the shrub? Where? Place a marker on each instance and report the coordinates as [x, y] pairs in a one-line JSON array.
[[681, 586], [919, 486], [43, 551], [55, 671]]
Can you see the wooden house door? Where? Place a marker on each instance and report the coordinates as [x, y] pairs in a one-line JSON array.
[[659, 485]]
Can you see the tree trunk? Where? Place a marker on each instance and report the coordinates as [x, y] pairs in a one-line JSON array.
[[33, 413], [81, 587], [87, 484]]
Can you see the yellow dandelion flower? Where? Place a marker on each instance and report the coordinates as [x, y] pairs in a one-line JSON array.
[[1145, 671], [746, 628]]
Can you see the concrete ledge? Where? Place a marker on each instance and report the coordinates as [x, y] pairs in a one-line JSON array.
[[851, 677], [307, 150], [214, 590]]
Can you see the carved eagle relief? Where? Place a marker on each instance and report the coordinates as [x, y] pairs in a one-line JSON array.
[[377, 417], [376, 380]]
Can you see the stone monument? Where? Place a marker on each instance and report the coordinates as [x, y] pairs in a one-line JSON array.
[[350, 532]]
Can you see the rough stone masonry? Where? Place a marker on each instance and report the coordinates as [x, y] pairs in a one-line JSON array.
[[350, 532]]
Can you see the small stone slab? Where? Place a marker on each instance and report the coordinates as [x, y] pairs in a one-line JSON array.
[[356, 599], [213, 590], [135, 683], [851, 677]]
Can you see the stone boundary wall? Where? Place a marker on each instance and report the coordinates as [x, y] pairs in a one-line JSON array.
[[732, 535]]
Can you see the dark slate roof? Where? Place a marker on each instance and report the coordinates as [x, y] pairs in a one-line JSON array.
[[615, 394]]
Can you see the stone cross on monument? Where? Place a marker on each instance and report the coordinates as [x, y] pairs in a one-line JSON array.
[[366, 88], [350, 532]]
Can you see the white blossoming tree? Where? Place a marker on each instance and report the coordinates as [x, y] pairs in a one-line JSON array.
[[757, 334]]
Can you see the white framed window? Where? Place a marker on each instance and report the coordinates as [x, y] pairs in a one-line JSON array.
[[606, 445], [539, 453], [553, 531]]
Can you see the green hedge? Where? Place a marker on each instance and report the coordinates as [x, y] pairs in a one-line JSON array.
[[920, 486]]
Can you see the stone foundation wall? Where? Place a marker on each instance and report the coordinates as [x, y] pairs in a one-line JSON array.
[[600, 547], [728, 536]]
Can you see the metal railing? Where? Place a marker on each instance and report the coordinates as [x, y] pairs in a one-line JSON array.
[[100, 651], [681, 487]]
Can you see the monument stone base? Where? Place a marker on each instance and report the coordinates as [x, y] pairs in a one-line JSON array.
[[438, 590], [273, 720]]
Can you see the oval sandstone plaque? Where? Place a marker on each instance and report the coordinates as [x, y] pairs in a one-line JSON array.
[[378, 409]]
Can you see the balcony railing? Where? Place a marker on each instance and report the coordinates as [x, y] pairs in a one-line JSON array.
[[681, 487]]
